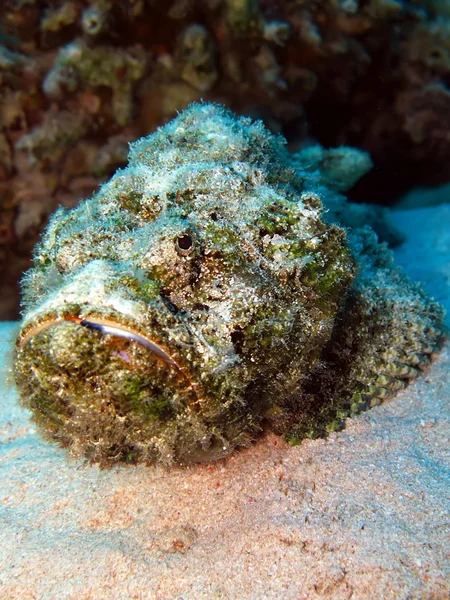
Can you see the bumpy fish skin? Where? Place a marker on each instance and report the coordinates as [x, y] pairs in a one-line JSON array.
[[199, 296]]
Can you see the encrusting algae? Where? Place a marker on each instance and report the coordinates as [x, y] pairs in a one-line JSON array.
[[203, 294]]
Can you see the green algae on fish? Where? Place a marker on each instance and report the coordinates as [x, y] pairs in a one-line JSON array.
[[204, 294]]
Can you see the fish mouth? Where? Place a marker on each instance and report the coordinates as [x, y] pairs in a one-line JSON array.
[[110, 320], [111, 331], [78, 371], [103, 326]]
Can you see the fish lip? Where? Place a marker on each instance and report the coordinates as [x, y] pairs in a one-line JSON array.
[[104, 326], [112, 326]]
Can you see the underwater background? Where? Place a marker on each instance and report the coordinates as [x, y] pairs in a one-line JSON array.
[[362, 514]]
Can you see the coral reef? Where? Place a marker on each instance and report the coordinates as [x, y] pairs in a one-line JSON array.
[[199, 296], [370, 74], [104, 67]]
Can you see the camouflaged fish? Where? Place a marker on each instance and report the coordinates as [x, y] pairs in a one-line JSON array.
[[203, 294]]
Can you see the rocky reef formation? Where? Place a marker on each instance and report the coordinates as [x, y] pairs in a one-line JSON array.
[[202, 294], [79, 79]]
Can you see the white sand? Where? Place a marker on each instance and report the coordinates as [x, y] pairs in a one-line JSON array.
[[363, 514]]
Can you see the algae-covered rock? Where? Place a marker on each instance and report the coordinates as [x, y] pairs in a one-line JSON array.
[[199, 296]]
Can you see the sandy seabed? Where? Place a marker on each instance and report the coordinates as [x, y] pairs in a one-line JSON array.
[[363, 514]]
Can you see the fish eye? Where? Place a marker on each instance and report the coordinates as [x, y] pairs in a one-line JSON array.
[[185, 243]]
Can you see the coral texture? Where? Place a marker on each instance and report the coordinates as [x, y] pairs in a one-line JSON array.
[[199, 296]]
